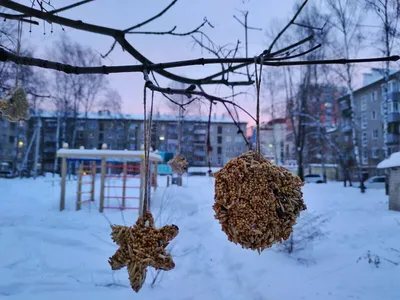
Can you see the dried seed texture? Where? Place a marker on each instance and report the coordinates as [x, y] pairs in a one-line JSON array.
[[257, 202], [141, 246], [178, 164], [15, 106]]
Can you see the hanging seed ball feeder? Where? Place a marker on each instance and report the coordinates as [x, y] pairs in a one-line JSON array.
[[141, 246], [256, 202], [15, 106], [178, 164]]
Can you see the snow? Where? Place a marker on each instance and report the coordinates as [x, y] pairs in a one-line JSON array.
[[47, 254], [87, 153], [202, 169], [392, 162]]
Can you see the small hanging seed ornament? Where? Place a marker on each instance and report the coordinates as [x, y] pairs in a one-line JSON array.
[[14, 106], [140, 246], [256, 202], [178, 164]]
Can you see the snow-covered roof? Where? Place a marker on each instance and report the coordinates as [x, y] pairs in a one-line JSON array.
[[137, 117], [96, 153], [391, 162], [371, 81]]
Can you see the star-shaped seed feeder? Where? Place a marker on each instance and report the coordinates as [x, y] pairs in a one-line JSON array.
[[141, 246]]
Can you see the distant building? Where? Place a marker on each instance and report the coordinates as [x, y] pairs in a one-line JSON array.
[[119, 131], [369, 120], [273, 138]]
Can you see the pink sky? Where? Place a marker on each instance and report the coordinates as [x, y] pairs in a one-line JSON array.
[[186, 15]]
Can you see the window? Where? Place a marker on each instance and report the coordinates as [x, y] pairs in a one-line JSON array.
[[228, 139], [92, 125], [375, 152], [219, 140], [363, 103], [393, 107], [383, 89], [373, 115], [219, 160], [364, 157], [219, 129], [373, 96], [375, 134], [364, 121], [393, 86], [80, 134], [228, 129], [364, 139], [91, 135], [11, 139], [219, 150], [238, 139]]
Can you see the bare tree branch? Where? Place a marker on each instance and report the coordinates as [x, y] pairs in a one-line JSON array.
[[172, 31], [286, 27], [47, 64], [55, 11], [18, 17], [152, 18]]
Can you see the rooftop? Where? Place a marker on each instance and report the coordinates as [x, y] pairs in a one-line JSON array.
[[137, 117], [374, 79]]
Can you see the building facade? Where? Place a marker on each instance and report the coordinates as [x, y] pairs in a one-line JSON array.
[[119, 132], [273, 140], [369, 120]]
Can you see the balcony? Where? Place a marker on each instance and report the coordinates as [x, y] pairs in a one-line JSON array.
[[49, 138], [200, 132], [200, 153], [344, 105], [200, 138], [394, 117], [395, 96], [172, 131], [346, 128], [50, 150], [393, 138]]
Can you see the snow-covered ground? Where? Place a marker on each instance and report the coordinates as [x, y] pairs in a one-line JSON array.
[[346, 246]]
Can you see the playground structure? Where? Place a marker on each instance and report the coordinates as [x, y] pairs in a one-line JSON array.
[[118, 170]]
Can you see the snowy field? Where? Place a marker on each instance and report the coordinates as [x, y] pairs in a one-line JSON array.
[[346, 246]]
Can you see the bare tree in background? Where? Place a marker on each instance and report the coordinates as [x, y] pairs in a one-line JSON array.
[[229, 74], [111, 102], [75, 94], [345, 18], [388, 14], [273, 84]]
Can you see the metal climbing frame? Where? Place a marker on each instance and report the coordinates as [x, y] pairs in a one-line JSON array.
[[124, 172], [83, 173]]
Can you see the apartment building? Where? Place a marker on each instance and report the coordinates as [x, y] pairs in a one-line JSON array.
[[272, 139], [119, 132], [320, 116], [369, 119]]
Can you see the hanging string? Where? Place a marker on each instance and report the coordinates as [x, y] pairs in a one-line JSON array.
[[258, 87], [209, 138], [18, 50], [147, 135]]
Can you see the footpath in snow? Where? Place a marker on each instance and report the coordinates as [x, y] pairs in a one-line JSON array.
[[345, 246]]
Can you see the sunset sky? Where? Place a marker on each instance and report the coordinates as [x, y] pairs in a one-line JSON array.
[[186, 15]]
